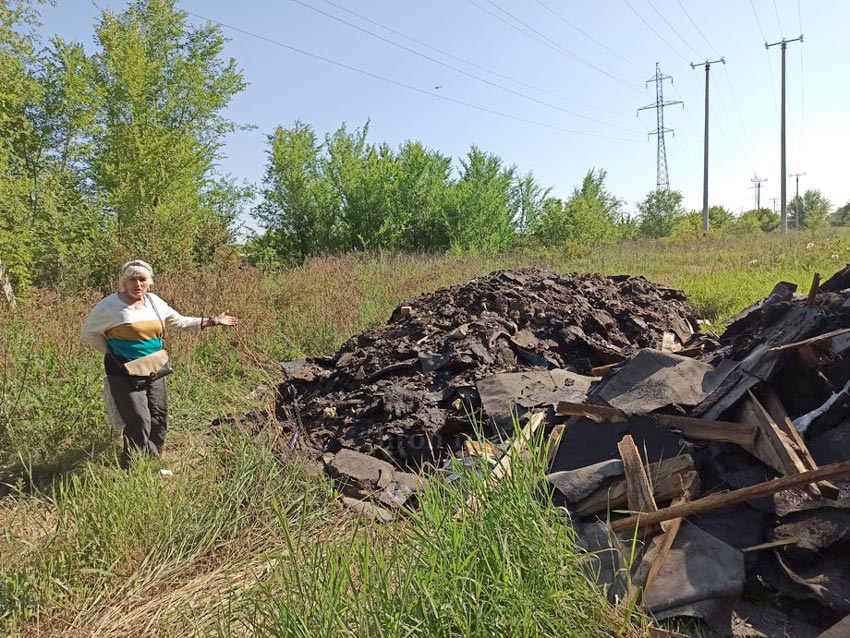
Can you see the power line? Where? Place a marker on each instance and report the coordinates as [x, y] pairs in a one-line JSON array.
[[660, 37], [732, 127], [542, 38], [588, 36], [696, 26], [473, 64], [461, 71], [673, 29], [403, 85], [769, 63], [662, 178], [725, 70], [778, 21]]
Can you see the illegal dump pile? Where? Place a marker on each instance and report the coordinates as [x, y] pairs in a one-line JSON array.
[[686, 432]]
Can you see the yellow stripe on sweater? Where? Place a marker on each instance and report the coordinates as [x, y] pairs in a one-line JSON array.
[[138, 330]]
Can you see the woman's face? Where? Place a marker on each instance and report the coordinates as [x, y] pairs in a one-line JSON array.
[[136, 285]]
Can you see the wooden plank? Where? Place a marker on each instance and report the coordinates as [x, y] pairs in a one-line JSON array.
[[723, 499], [815, 339], [503, 468], [660, 548], [601, 371], [773, 446], [598, 413], [774, 407], [813, 290], [707, 430], [8, 293], [782, 543], [638, 491], [554, 443], [841, 629], [664, 476], [692, 428], [658, 632]]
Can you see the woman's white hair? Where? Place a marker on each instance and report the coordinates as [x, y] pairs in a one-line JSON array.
[[135, 267]]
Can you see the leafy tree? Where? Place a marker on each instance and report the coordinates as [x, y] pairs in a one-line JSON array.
[[163, 85], [762, 218], [658, 212], [480, 210], [19, 89], [529, 196], [841, 216], [812, 209], [297, 204], [222, 203]]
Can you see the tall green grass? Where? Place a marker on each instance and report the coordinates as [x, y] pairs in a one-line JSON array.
[[240, 542]]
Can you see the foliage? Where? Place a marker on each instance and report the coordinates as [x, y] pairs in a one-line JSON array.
[[761, 218], [658, 212], [841, 216], [811, 210]]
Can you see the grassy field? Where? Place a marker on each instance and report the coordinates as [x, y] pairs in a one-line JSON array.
[[240, 542]]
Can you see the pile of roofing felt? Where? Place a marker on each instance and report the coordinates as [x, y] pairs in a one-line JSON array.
[[407, 390], [644, 414]]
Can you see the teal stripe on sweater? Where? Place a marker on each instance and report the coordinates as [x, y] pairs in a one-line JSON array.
[[133, 349]]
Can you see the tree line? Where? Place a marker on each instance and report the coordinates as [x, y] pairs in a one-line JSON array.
[[112, 154]]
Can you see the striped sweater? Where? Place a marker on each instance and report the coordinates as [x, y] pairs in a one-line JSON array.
[[123, 333]]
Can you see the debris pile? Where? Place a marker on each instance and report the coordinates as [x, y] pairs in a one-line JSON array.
[[407, 390], [730, 455]]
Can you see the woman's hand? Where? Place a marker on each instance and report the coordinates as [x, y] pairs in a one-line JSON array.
[[224, 319]]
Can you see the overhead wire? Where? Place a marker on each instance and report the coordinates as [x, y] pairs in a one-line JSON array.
[[660, 37], [769, 63], [473, 64], [673, 29], [404, 85], [725, 69], [588, 36], [778, 21], [547, 41], [463, 72], [802, 86]]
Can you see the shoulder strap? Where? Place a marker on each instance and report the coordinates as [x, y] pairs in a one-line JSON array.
[[153, 305]]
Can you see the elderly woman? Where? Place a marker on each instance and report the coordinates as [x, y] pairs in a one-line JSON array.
[[128, 328]]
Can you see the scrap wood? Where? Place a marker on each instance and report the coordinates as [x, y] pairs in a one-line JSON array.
[[772, 446], [503, 468], [690, 427], [780, 543], [773, 404], [638, 491], [722, 499], [658, 632], [841, 629], [813, 290], [657, 553], [810, 340], [666, 483]]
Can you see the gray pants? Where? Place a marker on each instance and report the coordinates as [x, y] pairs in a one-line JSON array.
[[145, 415]]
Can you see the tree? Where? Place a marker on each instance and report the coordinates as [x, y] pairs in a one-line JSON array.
[[529, 196], [19, 89], [658, 212], [762, 218], [297, 205], [841, 216], [480, 210], [163, 86], [812, 209]]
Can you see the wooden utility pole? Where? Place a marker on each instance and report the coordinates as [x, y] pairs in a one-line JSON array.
[[7, 287], [757, 181], [782, 171], [708, 64], [797, 210]]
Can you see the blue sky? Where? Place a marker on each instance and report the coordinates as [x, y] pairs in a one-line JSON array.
[[575, 68]]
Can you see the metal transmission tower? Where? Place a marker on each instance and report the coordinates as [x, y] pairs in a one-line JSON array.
[[708, 64], [662, 181], [797, 176], [783, 202], [757, 181]]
